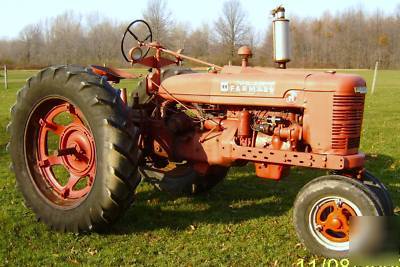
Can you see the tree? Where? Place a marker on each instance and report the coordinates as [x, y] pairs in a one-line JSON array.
[[31, 44], [350, 38], [397, 12], [66, 40], [100, 41], [232, 27], [160, 20], [198, 42], [178, 36]]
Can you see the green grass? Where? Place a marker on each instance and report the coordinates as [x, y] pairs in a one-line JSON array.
[[243, 221]]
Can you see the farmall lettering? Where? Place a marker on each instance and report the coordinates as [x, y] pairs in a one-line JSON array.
[[248, 87]]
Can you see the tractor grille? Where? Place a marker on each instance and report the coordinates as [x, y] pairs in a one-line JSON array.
[[347, 120]]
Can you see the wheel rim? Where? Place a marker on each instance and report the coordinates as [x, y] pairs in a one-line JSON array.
[[330, 222], [64, 165]]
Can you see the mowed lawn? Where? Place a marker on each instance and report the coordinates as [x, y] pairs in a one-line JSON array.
[[243, 221]]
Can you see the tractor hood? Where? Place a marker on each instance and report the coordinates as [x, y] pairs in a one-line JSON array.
[[256, 86]]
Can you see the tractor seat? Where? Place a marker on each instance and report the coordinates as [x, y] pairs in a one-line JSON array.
[[112, 74]]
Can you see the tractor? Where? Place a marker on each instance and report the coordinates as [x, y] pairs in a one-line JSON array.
[[80, 146]]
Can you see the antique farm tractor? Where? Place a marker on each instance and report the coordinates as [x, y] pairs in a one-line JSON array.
[[80, 147]]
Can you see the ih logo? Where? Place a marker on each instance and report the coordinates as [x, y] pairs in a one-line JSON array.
[[291, 97], [247, 87]]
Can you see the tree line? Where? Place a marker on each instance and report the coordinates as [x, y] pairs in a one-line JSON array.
[[352, 38]]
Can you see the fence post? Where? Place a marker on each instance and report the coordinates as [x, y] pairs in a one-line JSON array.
[[5, 77], [374, 79]]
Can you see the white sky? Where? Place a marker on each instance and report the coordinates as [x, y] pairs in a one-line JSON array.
[[15, 14]]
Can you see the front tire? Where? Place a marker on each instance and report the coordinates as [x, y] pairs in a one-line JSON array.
[[322, 212], [70, 118]]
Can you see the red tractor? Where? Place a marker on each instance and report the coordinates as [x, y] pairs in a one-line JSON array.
[[79, 148]]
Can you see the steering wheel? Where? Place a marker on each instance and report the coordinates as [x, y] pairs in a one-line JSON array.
[[148, 38]]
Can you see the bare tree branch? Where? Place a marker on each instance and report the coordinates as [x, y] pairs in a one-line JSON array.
[[159, 18], [232, 26]]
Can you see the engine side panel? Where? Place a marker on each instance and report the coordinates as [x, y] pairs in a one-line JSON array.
[[256, 88]]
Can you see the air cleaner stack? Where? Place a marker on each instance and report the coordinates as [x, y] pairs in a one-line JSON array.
[[281, 37]]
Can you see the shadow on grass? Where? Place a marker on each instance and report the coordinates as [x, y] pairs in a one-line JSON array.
[[382, 166], [241, 197]]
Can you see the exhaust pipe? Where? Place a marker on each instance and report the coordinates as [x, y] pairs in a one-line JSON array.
[[281, 37]]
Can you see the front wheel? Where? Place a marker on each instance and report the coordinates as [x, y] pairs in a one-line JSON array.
[[323, 209], [73, 153]]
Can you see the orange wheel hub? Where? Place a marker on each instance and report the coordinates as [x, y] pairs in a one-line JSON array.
[[333, 220]]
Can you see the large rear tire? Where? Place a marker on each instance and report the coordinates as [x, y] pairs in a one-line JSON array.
[[72, 150]]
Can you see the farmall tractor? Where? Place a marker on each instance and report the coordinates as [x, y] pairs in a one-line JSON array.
[[79, 148]]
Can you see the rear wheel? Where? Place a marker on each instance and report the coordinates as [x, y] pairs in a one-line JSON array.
[[182, 179], [323, 209], [74, 155]]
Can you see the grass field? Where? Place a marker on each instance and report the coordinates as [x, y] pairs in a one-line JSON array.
[[244, 221]]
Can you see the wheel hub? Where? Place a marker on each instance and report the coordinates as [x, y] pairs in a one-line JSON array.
[[334, 222], [332, 218], [79, 144]]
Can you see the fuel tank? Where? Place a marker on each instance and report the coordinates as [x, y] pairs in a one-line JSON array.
[[256, 86]]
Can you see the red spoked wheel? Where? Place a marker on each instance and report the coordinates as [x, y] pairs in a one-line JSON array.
[[74, 155], [75, 151]]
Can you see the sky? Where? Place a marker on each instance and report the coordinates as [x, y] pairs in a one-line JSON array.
[[16, 14]]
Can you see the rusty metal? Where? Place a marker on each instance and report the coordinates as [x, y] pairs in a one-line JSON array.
[[245, 53]]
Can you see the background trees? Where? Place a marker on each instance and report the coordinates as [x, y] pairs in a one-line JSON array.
[[231, 29], [349, 39], [160, 19]]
